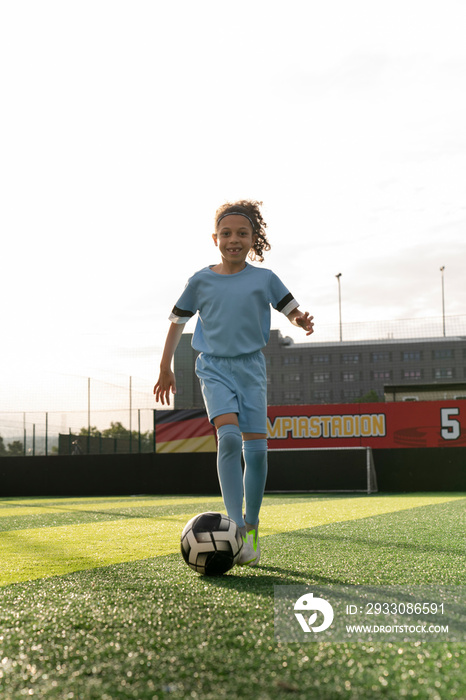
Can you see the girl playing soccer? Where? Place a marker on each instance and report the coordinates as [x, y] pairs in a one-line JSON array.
[[233, 301]]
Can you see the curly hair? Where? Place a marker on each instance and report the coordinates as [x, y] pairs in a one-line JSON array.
[[252, 209]]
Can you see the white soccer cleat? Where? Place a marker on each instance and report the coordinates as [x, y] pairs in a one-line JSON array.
[[251, 552]]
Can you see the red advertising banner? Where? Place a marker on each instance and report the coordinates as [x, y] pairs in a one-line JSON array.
[[376, 425]]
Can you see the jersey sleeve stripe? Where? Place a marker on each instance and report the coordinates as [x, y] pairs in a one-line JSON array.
[[289, 307], [180, 315], [285, 302]]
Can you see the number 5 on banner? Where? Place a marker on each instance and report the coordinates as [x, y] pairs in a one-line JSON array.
[[451, 429]]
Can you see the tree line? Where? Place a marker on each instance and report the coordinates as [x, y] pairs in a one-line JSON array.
[[116, 430], [13, 449]]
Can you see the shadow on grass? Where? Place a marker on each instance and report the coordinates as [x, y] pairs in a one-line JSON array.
[[416, 546], [261, 579], [49, 517]]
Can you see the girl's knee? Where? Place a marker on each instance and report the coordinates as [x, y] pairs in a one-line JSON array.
[[229, 437], [226, 419]]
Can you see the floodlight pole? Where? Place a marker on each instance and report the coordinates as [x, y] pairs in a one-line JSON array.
[[339, 304], [442, 270]]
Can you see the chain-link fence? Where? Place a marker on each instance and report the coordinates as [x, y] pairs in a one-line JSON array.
[[415, 359], [51, 433], [104, 417], [371, 362]]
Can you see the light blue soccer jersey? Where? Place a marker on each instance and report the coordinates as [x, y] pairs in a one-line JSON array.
[[234, 310]]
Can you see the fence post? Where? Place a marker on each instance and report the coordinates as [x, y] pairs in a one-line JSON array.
[[130, 415], [139, 430], [88, 415]]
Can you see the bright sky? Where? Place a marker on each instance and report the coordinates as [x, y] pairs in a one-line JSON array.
[[124, 125]]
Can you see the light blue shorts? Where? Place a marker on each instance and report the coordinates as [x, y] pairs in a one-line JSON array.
[[235, 385]]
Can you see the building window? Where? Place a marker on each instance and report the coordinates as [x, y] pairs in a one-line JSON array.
[[292, 396], [412, 374], [350, 394], [321, 377], [411, 355], [291, 360], [292, 378], [321, 359], [382, 374], [443, 354], [444, 373], [323, 396], [350, 358], [381, 356], [348, 377]]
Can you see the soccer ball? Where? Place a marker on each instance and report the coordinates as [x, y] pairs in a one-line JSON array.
[[211, 543]]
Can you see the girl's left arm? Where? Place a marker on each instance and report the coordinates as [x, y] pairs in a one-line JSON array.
[[303, 320]]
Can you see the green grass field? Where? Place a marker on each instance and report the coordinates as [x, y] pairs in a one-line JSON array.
[[97, 603]]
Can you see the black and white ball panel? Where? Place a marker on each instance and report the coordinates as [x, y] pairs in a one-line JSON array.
[[211, 543]]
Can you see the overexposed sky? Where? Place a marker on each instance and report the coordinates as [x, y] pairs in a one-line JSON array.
[[124, 125]]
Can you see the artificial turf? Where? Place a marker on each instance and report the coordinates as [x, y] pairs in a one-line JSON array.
[[97, 603]]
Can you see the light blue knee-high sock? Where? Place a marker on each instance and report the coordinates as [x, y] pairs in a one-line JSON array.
[[255, 476], [230, 472]]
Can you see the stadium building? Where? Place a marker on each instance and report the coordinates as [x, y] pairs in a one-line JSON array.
[[346, 371]]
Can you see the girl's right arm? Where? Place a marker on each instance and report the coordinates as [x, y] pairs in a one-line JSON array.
[[166, 380]]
